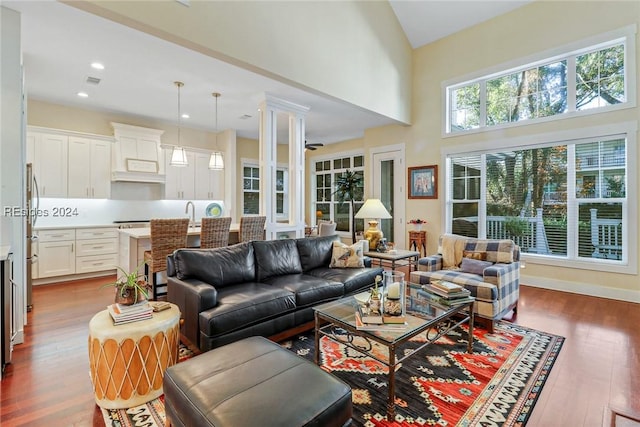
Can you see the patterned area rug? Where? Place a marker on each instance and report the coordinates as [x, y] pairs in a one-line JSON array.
[[497, 385], [443, 385]]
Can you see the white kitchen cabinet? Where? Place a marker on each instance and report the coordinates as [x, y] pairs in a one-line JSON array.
[[209, 183], [89, 168], [137, 154], [96, 249], [50, 162], [56, 253], [180, 181], [68, 251]]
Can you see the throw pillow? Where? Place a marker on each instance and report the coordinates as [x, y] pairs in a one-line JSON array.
[[345, 256], [474, 266], [482, 256]]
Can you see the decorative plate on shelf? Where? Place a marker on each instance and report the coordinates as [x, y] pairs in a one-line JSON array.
[[214, 210]]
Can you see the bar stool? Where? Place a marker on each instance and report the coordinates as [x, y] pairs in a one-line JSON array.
[[214, 232], [167, 235], [252, 228]]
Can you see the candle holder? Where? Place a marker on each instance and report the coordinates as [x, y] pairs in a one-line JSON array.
[[394, 293]]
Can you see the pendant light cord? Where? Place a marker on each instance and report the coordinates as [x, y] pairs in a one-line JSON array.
[[179, 115]]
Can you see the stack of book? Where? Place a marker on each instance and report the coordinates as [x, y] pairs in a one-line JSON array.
[[369, 321], [447, 293], [130, 313]]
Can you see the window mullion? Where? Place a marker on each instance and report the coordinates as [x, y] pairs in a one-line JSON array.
[[571, 83], [483, 103], [572, 204], [482, 208]]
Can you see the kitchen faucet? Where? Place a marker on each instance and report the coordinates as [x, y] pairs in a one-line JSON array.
[[192, 223]]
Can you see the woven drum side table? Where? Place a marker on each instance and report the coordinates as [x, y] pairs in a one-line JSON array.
[[127, 362]]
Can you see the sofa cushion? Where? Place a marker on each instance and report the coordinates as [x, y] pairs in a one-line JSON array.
[[242, 305], [474, 266], [276, 258], [345, 256], [219, 267], [482, 256], [315, 251], [309, 290], [354, 279], [497, 250]]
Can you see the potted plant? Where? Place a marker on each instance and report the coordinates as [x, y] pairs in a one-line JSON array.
[[131, 287], [417, 223], [349, 187]]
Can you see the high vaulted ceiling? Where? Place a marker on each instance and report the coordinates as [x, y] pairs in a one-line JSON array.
[[59, 43]]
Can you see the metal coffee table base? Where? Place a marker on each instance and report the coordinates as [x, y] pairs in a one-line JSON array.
[[325, 325]]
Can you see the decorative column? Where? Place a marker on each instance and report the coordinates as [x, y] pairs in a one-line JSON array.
[[270, 110]]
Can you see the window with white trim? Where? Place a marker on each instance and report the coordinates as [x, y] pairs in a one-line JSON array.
[[327, 206], [564, 199], [251, 190], [584, 79]]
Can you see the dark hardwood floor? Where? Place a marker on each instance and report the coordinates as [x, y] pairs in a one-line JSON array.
[[48, 382]]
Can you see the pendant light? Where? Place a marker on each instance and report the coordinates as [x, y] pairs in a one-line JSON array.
[[179, 156], [216, 161]]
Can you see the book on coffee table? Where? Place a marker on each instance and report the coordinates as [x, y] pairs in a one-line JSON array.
[[445, 286], [462, 293], [367, 316], [372, 327]]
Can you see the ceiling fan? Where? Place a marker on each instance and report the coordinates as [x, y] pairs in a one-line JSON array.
[[312, 145]]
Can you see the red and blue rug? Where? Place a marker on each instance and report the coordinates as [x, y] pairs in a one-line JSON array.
[[443, 385]]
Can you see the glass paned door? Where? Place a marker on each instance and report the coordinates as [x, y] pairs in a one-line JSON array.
[[388, 183]]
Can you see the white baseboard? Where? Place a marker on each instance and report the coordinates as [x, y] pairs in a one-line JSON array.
[[70, 277], [628, 295]]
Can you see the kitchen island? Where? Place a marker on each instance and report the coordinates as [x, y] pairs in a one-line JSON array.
[[135, 241]]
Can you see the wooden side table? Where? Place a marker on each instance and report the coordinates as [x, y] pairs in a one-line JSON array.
[[127, 362], [418, 240]]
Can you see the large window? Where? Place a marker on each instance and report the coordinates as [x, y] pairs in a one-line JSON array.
[[251, 191], [324, 200], [564, 200], [588, 78]]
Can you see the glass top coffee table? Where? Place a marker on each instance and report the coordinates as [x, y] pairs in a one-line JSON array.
[[423, 316]]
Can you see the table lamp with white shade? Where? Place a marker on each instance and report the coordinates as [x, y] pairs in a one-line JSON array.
[[374, 210]]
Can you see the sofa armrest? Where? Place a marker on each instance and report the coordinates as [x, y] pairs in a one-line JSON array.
[[192, 297], [430, 263], [506, 278]]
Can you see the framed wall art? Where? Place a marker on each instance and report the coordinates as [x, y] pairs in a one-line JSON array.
[[423, 182]]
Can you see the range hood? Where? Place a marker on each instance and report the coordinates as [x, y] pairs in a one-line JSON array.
[[124, 176], [137, 155]]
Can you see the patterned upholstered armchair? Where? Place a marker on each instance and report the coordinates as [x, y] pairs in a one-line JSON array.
[[489, 268]]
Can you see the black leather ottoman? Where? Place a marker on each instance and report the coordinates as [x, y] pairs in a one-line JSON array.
[[254, 382]]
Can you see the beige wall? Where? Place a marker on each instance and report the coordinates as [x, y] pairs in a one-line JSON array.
[[506, 38], [265, 37]]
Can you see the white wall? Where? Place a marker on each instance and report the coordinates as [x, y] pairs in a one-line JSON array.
[[12, 153], [340, 48]]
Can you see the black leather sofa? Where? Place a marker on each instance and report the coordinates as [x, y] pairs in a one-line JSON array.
[[257, 288]]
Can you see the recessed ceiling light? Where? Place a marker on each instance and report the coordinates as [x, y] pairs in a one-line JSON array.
[[185, 116], [83, 94], [97, 66]]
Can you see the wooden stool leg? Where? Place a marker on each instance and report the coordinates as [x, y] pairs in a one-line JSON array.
[[153, 281]]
